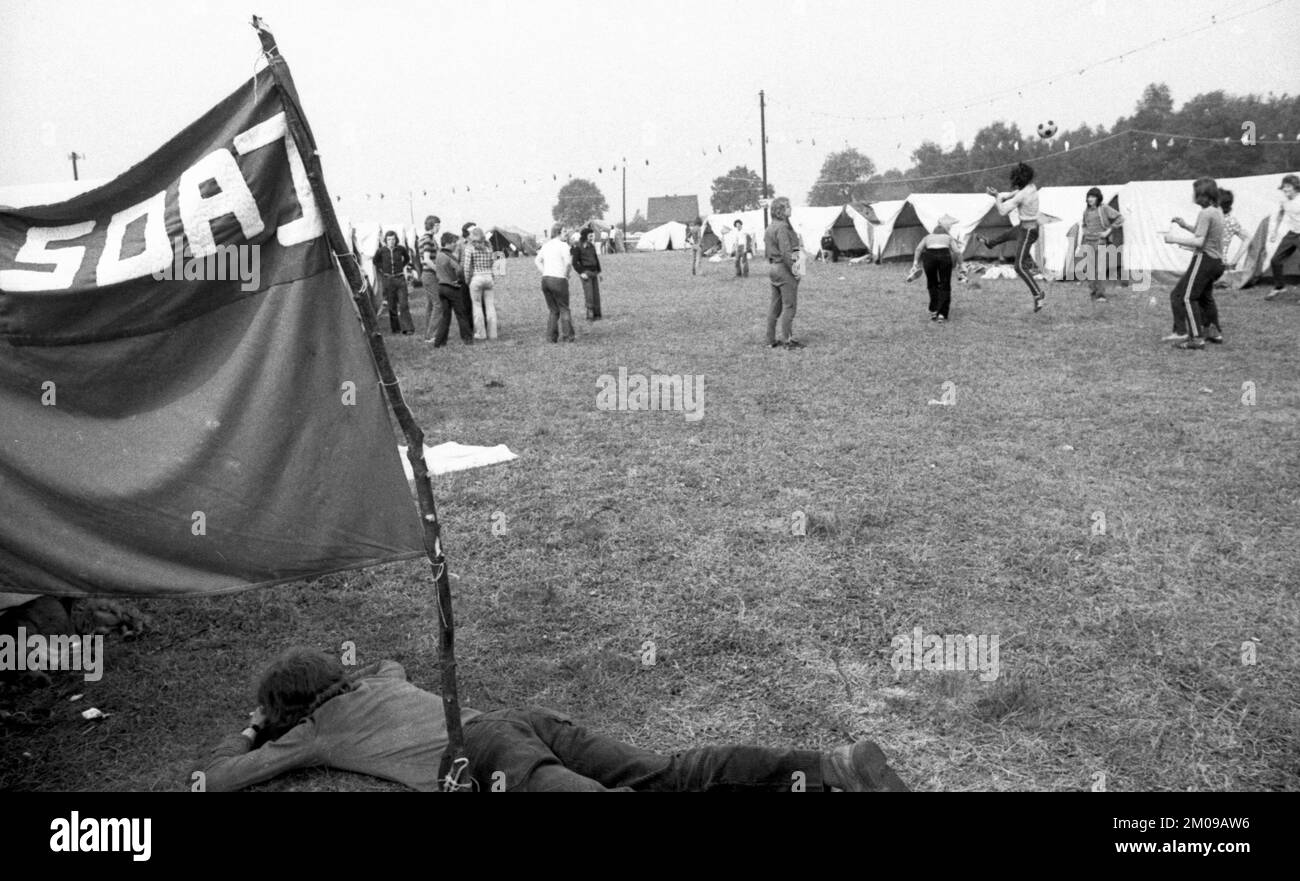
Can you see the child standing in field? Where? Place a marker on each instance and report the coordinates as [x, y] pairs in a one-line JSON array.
[[938, 254], [1094, 234], [1196, 317], [1025, 198], [1288, 221], [1231, 229]]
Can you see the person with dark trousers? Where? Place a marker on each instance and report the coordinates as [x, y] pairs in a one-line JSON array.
[[586, 262], [428, 246], [553, 261], [392, 265], [451, 294], [1288, 224], [312, 713], [939, 255], [1024, 197], [782, 245], [1098, 223], [1196, 317], [744, 247]]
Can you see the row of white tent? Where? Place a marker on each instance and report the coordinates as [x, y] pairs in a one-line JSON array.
[[891, 230]]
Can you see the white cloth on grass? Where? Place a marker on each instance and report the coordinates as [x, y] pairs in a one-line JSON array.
[[451, 456]]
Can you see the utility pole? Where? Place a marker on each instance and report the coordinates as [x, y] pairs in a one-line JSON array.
[[762, 129], [624, 196], [74, 156]]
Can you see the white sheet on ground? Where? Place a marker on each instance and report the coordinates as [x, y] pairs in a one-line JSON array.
[[451, 456]]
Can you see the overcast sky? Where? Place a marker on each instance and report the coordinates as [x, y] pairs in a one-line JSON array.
[[407, 96]]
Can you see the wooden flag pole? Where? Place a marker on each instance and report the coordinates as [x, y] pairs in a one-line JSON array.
[[455, 754]]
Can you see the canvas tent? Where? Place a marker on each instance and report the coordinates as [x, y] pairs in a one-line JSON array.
[[852, 230], [512, 241], [972, 214], [720, 230], [1149, 205], [886, 212], [670, 236]]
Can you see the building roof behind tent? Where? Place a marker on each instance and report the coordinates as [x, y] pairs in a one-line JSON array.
[[662, 209]]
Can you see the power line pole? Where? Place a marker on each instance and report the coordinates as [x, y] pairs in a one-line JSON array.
[[762, 129], [74, 156], [624, 195]]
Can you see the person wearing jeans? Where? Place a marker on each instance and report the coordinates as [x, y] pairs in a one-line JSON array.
[[586, 262], [478, 269], [553, 261], [782, 244], [311, 713], [392, 265], [451, 295], [743, 247]]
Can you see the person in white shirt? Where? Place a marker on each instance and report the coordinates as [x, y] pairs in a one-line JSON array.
[[554, 262], [744, 247], [1025, 198], [1288, 224]]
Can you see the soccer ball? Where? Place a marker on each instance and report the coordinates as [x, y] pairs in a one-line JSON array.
[[1046, 129]]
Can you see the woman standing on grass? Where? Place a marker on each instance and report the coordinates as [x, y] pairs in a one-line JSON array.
[[783, 252], [1094, 234], [478, 271], [939, 254], [1196, 317], [1025, 198]]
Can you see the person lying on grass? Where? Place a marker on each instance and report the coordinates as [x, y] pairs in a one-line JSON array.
[[312, 714]]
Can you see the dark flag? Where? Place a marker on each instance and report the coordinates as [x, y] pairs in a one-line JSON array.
[[187, 401]]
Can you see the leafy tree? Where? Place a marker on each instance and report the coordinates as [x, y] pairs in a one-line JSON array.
[[638, 223], [738, 190], [844, 178], [579, 200]]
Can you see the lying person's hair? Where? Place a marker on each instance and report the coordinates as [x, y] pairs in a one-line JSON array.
[[299, 682]]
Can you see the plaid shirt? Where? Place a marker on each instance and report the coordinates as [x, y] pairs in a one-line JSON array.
[[477, 261]]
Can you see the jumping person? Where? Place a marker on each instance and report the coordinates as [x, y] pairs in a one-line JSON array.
[[392, 264], [1196, 317], [1288, 223], [451, 293], [553, 261], [1094, 234], [939, 254], [312, 714], [477, 266], [586, 262], [1024, 196], [783, 247], [744, 246]]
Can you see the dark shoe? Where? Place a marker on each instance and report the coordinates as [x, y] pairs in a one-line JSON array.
[[775, 345], [934, 316], [1213, 334], [862, 768], [1193, 343], [794, 344]]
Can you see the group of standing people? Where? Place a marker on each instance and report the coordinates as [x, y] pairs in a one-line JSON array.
[[458, 276]]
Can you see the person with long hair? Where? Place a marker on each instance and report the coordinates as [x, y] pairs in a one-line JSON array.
[[938, 254], [1024, 196], [392, 266], [1094, 235], [783, 251], [586, 262], [312, 713], [1196, 316], [478, 270]]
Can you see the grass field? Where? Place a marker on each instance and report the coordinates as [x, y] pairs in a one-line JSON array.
[[1121, 654]]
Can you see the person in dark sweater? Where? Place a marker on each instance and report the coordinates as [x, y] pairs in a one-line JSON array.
[[586, 262], [392, 265], [312, 714], [451, 294]]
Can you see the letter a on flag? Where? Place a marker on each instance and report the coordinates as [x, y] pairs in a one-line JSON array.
[[175, 347]]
